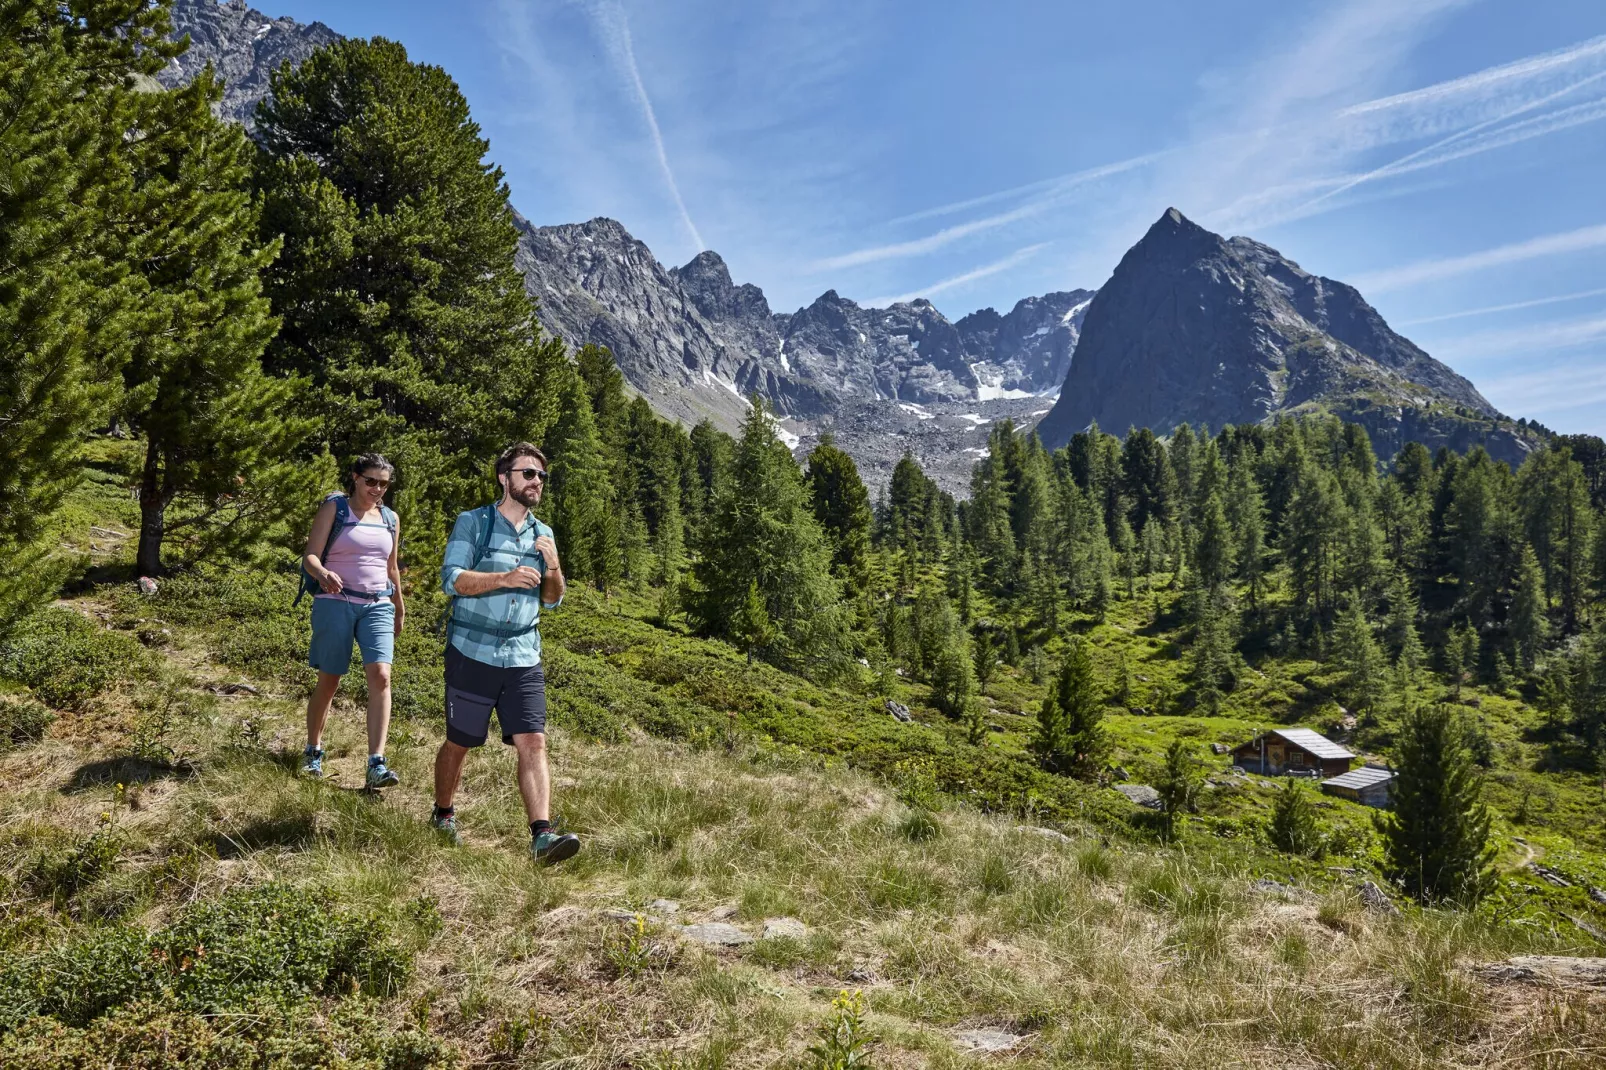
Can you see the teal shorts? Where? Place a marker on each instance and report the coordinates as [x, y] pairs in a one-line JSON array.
[[336, 622]]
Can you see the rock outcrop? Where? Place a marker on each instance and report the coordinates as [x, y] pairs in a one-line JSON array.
[[243, 45]]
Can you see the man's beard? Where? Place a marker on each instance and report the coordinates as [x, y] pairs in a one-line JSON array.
[[528, 495]]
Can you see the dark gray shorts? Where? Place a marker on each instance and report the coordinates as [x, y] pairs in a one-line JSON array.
[[474, 688]]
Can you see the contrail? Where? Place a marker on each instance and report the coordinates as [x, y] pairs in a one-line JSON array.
[[616, 26]]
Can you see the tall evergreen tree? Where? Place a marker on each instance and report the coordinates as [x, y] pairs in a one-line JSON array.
[[1212, 557], [69, 311], [1365, 671], [1070, 736], [1436, 838], [1178, 785], [221, 438], [396, 286], [1529, 625], [763, 532], [842, 506], [580, 499]]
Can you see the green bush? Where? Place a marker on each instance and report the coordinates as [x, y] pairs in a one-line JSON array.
[[154, 1037], [22, 720], [267, 943], [67, 659]]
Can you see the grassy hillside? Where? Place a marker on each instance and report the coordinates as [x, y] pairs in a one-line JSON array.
[[169, 884]]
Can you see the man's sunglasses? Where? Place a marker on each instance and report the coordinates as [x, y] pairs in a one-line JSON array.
[[531, 473], [378, 484]]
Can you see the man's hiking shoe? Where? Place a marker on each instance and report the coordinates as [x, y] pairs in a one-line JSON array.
[[446, 826], [550, 848], [312, 762], [378, 775]]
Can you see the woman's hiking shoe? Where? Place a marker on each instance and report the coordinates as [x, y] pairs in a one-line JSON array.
[[550, 848], [378, 775], [446, 826], [312, 762]]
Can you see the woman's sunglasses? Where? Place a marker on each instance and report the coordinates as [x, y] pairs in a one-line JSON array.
[[377, 484]]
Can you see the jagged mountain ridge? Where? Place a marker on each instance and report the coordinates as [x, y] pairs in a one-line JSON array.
[[1196, 328], [243, 45]]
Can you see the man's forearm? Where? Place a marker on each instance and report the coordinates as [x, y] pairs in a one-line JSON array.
[[473, 583], [552, 587]]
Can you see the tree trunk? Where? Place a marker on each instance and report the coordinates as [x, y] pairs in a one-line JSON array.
[[153, 501]]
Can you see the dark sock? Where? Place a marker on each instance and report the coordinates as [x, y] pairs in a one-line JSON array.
[[538, 827], [444, 811]]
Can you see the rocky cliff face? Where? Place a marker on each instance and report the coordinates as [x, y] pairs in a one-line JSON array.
[[243, 45], [696, 344], [1197, 328]]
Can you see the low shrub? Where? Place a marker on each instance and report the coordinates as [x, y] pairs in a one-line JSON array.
[[268, 943], [23, 720], [66, 659], [148, 1035]]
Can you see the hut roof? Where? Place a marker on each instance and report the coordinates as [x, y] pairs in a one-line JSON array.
[[1308, 740], [1364, 777]]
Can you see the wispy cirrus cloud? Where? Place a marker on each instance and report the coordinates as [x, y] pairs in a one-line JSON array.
[[1535, 338], [1019, 256], [1444, 267], [1512, 306], [1573, 385]]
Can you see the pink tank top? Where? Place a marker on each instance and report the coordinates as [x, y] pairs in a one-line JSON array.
[[361, 558]]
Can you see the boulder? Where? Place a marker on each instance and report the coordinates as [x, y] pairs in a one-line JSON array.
[[899, 711], [1376, 900], [986, 1040], [789, 928], [1047, 834], [716, 934], [1564, 970], [1141, 794]]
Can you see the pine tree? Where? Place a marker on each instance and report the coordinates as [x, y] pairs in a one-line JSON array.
[[1212, 557], [1461, 656], [953, 680], [842, 506], [221, 438], [396, 285], [579, 500], [1436, 838], [1294, 827], [751, 628], [1246, 512], [1178, 785], [1126, 550], [763, 533], [986, 655], [1365, 683], [1310, 541], [1070, 737], [1529, 626], [69, 310]]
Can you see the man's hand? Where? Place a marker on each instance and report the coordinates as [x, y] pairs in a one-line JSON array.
[[524, 577], [547, 547], [330, 582]]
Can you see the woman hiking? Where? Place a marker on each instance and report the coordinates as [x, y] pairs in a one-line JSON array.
[[352, 556]]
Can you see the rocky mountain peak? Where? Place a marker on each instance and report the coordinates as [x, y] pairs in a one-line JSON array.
[[1197, 328], [243, 45]]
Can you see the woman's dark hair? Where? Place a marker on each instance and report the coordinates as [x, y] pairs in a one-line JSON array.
[[504, 460], [367, 461]]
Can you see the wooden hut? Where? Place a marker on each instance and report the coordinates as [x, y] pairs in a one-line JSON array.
[[1368, 785], [1293, 752]]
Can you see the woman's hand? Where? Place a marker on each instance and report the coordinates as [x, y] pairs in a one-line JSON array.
[[399, 616], [330, 582]]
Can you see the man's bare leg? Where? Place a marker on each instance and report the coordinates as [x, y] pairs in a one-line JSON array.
[[535, 781], [448, 772]]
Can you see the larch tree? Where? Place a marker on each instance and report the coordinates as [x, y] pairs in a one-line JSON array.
[[1436, 837]]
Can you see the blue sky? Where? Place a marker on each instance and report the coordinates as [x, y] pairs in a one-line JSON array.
[[1446, 156]]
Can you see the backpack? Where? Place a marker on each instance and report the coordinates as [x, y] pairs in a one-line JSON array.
[[343, 520]]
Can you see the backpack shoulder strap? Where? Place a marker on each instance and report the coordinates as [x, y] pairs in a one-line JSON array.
[[341, 521], [487, 523], [388, 514]]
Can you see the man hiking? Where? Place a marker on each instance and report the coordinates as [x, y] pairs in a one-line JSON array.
[[351, 562], [501, 568]]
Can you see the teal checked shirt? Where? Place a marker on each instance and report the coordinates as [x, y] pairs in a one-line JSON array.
[[499, 627]]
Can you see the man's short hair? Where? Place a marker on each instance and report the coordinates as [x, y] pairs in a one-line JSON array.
[[504, 461]]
